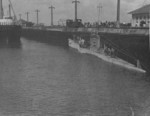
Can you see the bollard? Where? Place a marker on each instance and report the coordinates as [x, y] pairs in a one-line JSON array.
[[138, 64]]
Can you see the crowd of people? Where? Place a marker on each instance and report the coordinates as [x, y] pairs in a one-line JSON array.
[[110, 51], [107, 24]]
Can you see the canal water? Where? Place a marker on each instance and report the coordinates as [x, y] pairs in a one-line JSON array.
[[39, 79]]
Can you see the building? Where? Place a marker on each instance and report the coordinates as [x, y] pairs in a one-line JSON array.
[[141, 16]]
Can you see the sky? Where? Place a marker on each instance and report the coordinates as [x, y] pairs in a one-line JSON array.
[[64, 9]]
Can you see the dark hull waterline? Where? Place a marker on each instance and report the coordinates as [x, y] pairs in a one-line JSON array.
[[10, 33]]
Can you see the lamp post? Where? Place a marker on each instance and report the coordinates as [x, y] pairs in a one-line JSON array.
[[27, 13], [1, 9], [149, 29], [118, 14], [37, 16], [51, 14], [9, 10], [99, 12], [76, 8]]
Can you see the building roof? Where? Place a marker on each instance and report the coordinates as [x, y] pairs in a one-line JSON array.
[[144, 9]]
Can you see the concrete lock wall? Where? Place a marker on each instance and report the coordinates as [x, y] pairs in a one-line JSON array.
[[111, 30]]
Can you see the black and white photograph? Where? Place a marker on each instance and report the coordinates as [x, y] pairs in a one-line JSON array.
[[74, 57]]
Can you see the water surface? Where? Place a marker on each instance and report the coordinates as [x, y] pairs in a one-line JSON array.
[[39, 79]]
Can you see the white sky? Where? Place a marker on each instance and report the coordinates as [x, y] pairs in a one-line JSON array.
[[64, 9]]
